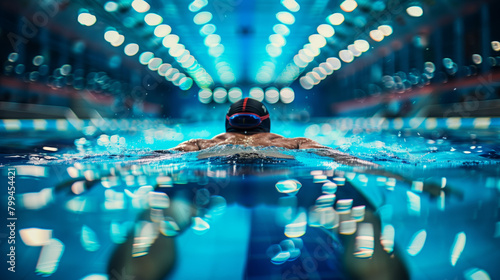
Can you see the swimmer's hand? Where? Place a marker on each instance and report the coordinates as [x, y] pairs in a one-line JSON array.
[[164, 151], [343, 158]]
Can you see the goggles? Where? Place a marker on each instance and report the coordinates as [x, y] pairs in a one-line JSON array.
[[246, 120]]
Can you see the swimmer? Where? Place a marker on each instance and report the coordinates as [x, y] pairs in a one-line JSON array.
[[248, 124]]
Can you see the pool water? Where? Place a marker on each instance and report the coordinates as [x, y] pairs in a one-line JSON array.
[[94, 201]]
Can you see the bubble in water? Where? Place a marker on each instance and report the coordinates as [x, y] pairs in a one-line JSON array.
[[273, 250], [288, 186], [13, 57], [280, 258], [38, 60], [19, 69], [89, 239]]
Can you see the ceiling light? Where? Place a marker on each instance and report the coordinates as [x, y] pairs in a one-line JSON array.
[[415, 11], [162, 30], [131, 49], [286, 18], [140, 6], [153, 19], [377, 35], [348, 5], [202, 18], [346, 56], [336, 19]]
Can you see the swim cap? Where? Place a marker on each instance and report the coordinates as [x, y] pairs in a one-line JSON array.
[[251, 107]]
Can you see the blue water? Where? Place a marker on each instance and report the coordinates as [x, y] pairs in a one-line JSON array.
[[245, 220]]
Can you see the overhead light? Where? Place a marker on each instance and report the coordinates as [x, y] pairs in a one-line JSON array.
[[153, 19], [86, 19], [145, 57], [202, 18], [334, 62], [257, 93], [170, 40], [326, 30], [287, 95], [205, 95], [119, 41], [110, 6], [131, 49], [336, 19], [291, 5], [140, 6], [207, 29], [176, 50], [346, 56], [352, 48], [385, 29], [317, 40], [415, 11], [162, 30], [348, 5], [273, 50], [306, 82], [196, 5], [111, 35], [281, 29], [377, 35], [286, 18], [361, 45], [277, 40], [234, 94], [220, 95], [212, 40], [272, 95], [216, 51], [155, 63]]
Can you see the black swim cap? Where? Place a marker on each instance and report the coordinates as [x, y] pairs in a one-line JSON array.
[[252, 106]]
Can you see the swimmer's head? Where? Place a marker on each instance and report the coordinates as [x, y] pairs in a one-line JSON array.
[[248, 116]]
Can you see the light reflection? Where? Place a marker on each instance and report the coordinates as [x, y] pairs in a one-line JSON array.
[[288, 186], [387, 238], [417, 242], [35, 236], [358, 213], [89, 239], [298, 226], [365, 241], [347, 227], [413, 203], [200, 226], [476, 274], [169, 227], [158, 200], [49, 257], [457, 248], [144, 235]]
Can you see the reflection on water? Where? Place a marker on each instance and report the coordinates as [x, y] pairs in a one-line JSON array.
[[253, 214]]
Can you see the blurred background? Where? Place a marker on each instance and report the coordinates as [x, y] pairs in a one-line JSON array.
[[189, 60]]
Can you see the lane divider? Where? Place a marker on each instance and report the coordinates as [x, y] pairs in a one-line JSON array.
[[482, 123]]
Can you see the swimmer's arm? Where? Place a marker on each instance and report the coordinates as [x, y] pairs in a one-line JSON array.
[[363, 166], [188, 146], [340, 157]]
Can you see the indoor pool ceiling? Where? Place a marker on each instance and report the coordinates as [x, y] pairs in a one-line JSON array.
[[243, 42]]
